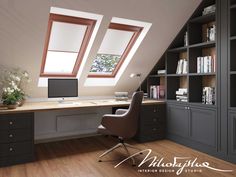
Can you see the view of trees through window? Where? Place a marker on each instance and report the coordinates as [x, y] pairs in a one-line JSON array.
[[105, 63]]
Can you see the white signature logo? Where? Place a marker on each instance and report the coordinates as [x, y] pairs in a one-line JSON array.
[[186, 162]]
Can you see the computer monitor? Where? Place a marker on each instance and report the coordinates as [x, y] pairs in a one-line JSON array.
[[62, 88]]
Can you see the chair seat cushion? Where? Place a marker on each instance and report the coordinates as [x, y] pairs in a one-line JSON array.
[[103, 130]]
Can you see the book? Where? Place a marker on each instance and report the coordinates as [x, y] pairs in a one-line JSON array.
[[206, 64], [182, 66], [157, 92], [159, 72]]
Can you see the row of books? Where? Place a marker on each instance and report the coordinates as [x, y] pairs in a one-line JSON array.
[[157, 92], [208, 95], [182, 67], [182, 94], [206, 64]]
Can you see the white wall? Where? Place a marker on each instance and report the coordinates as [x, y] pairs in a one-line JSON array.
[[24, 23]]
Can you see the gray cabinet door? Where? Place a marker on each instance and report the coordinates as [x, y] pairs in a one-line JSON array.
[[203, 126], [178, 120], [232, 133]]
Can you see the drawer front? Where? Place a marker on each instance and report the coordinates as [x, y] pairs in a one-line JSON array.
[[153, 114], [152, 129], [21, 148], [4, 149], [13, 149], [15, 135], [16, 121]]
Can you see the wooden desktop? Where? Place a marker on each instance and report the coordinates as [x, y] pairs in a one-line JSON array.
[[17, 125]]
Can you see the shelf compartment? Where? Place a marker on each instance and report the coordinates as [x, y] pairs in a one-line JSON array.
[[203, 4], [232, 90], [196, 85], [233, 55], [172, 60], [233, 6], [155, 81], [232, 2], [200, 52], [201, 30], [232, 22], [233, 38], [179, 40], [204, 18], [173, 84], [159, 66]]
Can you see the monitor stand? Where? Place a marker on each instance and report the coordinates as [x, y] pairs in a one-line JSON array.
[[64, 102]]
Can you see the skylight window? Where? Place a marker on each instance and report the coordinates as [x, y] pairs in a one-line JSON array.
[[116, 45], [66, 41]]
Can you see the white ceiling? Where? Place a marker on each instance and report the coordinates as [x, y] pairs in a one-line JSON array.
[[24, 23]]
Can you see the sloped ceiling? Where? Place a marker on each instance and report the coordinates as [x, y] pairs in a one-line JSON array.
[[24, 23]]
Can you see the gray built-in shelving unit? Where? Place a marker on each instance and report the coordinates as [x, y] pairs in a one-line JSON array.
[[205, 127]]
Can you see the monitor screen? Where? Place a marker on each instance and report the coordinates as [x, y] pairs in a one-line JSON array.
[[62, 88]]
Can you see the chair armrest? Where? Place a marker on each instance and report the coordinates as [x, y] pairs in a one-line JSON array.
[[121, 111]]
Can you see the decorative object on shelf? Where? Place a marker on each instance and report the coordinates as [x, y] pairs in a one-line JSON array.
[[206, 64], [211, 33], [182, 95], [157, 92], [161, 72], [208, 95], [138, 75], [121, 96], [186, 39], [13, 83], [209, 9], [182, 67]]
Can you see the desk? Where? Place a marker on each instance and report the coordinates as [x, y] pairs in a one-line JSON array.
[[17, 125]]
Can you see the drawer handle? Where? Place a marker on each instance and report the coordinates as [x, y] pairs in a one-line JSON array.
[[154, 110], [154, 129], [11, 123], [11, 136], [10, 149]]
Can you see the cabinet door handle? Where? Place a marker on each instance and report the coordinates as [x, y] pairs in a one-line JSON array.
[[11, 123], [154, 129], [10, 149], [11, 136], [185, 107], [154, 110]]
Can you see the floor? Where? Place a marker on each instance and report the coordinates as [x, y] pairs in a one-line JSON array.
[[79, 158]]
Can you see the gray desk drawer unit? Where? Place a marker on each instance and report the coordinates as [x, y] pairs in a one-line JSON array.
[[16, 138], [152, 123]]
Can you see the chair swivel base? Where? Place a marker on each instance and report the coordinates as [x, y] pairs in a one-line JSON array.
[[121, 144]]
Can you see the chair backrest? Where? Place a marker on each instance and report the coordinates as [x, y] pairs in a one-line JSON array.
[[132, 115]]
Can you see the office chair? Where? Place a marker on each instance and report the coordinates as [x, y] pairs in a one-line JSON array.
[[123, 124]]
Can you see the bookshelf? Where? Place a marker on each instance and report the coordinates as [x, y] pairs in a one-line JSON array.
[[193, 41], [232, 53], [199, 45]]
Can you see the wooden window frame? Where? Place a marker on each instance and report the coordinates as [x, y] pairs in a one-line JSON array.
[[88, 33], [137, 30]]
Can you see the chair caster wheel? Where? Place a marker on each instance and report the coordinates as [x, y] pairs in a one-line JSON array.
[[99, 160], [140, 153]]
